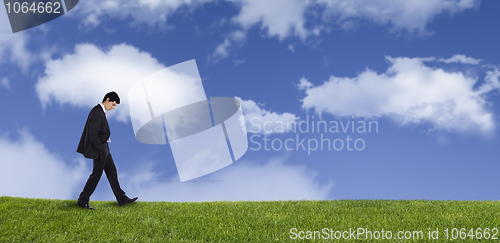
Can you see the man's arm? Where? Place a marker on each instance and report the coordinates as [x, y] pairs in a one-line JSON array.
[[94, 130]]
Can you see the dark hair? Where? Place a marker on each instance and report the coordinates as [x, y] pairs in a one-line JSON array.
[[113, 96]]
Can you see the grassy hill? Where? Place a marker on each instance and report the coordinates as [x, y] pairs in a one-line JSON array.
[[42, 220]]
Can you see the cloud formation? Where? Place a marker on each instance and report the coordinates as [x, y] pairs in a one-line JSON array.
[[280, 18], [152, 12], [13, 46], [410, 15], [243, 180], [293, 18], [409, 89], [39, 173], [462, 59], [81, 79], [224, 49], [13, 50], [262, 121], [5, 82], [94, 72], [31, 170], [4, 22]]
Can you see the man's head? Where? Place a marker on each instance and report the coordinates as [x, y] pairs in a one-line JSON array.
[[110, 100]]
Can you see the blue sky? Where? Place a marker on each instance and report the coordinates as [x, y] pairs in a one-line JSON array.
[[425, 71]]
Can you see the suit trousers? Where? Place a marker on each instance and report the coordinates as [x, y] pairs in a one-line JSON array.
[[104, 163]]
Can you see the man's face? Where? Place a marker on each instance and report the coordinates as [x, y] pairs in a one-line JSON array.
[[109, 105]]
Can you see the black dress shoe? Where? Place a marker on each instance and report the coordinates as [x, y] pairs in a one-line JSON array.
[[85, 205], [127, 200]]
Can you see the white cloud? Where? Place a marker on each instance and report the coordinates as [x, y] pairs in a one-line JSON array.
[[24, 160], [291, 48], [239, 62], [223, 49], [280, 18], [93, 72], [243, 180], [5, 82], [141, 11], [283, 18], [288, 18], [461, 59], [4, 23], [408, 89], [83, 78], [31, 170], [411, 15], [13, 46], [13, 50], [262, 121]]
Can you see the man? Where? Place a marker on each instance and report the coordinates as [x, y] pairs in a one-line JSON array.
[[94, 145]]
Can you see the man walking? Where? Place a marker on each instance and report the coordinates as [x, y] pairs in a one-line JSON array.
[[94, 145]]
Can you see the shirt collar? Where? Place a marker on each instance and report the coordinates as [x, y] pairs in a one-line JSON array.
[[103, 109]]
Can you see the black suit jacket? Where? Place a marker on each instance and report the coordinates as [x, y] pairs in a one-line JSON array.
[[95, 134]]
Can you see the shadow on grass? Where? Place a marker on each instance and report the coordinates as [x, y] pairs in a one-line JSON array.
[[71, 205], [68, 205]]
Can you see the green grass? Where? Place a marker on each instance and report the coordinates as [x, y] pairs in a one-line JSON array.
[[42, 220]]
